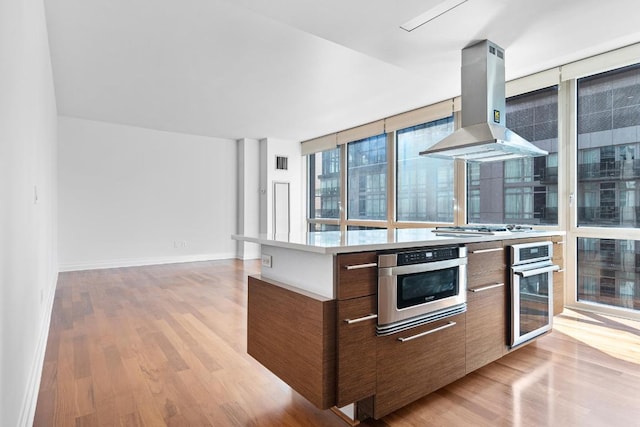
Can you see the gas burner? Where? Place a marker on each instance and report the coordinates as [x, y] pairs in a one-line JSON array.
[[519, 227], [482, 229]]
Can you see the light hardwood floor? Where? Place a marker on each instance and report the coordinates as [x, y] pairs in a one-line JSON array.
[[166, 345]]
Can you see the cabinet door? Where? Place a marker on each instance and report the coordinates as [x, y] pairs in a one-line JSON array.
[[486, 335], [486, 324], [293, 335], [356, 274], [356, 367], [558, 276], [416, 362]]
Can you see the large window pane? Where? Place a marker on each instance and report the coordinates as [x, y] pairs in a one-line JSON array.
[[367, 178], [608, 141], [424, 185], [607, 272], [520, 191], [324, 184]]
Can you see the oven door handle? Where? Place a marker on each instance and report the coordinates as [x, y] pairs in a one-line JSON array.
[[535, 271]]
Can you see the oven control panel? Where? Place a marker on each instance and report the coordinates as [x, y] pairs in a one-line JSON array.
[[427, 255]]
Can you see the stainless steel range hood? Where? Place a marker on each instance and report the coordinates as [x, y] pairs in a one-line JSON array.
[[483, 136]]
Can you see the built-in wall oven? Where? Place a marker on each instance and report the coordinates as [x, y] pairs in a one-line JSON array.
[[420, 286], [531, 290]]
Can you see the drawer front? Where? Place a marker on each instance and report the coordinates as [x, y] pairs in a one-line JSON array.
[[487, 263], [356, 274], [356, 348], [558, 292], [419, 365]]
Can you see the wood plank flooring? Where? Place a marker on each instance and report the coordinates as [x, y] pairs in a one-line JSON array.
[[166, 345]]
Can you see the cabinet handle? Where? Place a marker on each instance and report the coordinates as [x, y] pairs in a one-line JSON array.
[[486, 288], [359, 266], [361, 319], [484, 251], [413, 337]]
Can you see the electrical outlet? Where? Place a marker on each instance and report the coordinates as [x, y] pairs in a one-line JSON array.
[[266, 260]]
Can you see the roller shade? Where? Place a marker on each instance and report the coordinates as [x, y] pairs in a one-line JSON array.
[[419, 116], [317, 145], [618, 58], [457, 104], [533, 82], [361, 132]]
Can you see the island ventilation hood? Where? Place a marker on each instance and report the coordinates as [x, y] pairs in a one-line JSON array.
[[483, 136]]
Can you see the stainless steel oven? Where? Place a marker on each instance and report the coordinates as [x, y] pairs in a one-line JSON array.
[[420, 286], [531, 290]]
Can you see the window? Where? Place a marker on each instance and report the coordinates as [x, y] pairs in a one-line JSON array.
[[324, 184], [608, 141], [520, 191], [607, 272], [367, 178], [424, 185]]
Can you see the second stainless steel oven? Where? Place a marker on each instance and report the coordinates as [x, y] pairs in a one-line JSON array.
[[420, 286], [531, 290]]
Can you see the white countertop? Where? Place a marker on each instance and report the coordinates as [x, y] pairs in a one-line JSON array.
[[334, 242]]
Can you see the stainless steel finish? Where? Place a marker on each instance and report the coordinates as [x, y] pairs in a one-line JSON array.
[[516, 258], [389, 314], [361, 319], [483, 136], [486, 288], [521, 269], [429, 317], [421, 268], [359, 266], [484, 251], [431, 331]]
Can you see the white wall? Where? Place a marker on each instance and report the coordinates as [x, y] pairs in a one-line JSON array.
[[28, 258], [134, 196], [248, 196], [269, 149]]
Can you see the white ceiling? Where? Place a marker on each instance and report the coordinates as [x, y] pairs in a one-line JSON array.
[[297, 69]]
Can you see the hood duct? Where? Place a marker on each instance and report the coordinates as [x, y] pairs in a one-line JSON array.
[[483, 136]]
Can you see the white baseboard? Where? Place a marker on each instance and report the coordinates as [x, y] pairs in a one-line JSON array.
[[138, 262], [30, 401]]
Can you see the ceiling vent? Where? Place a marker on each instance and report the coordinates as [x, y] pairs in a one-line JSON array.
[[282, 163]]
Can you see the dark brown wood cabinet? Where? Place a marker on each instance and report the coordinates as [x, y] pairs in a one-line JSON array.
[[487, 285], [558, 276], [357, 285], [416, 362], [356, 350], [293, 335], [356, 274], [328, 351]]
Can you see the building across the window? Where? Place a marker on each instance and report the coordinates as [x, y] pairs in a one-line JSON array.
[[324, 185], [608, 143], [608, 186], [367, 179], [520, 191], [424, 185]]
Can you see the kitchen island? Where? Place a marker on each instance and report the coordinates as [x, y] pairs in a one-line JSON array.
[[312, 316]]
